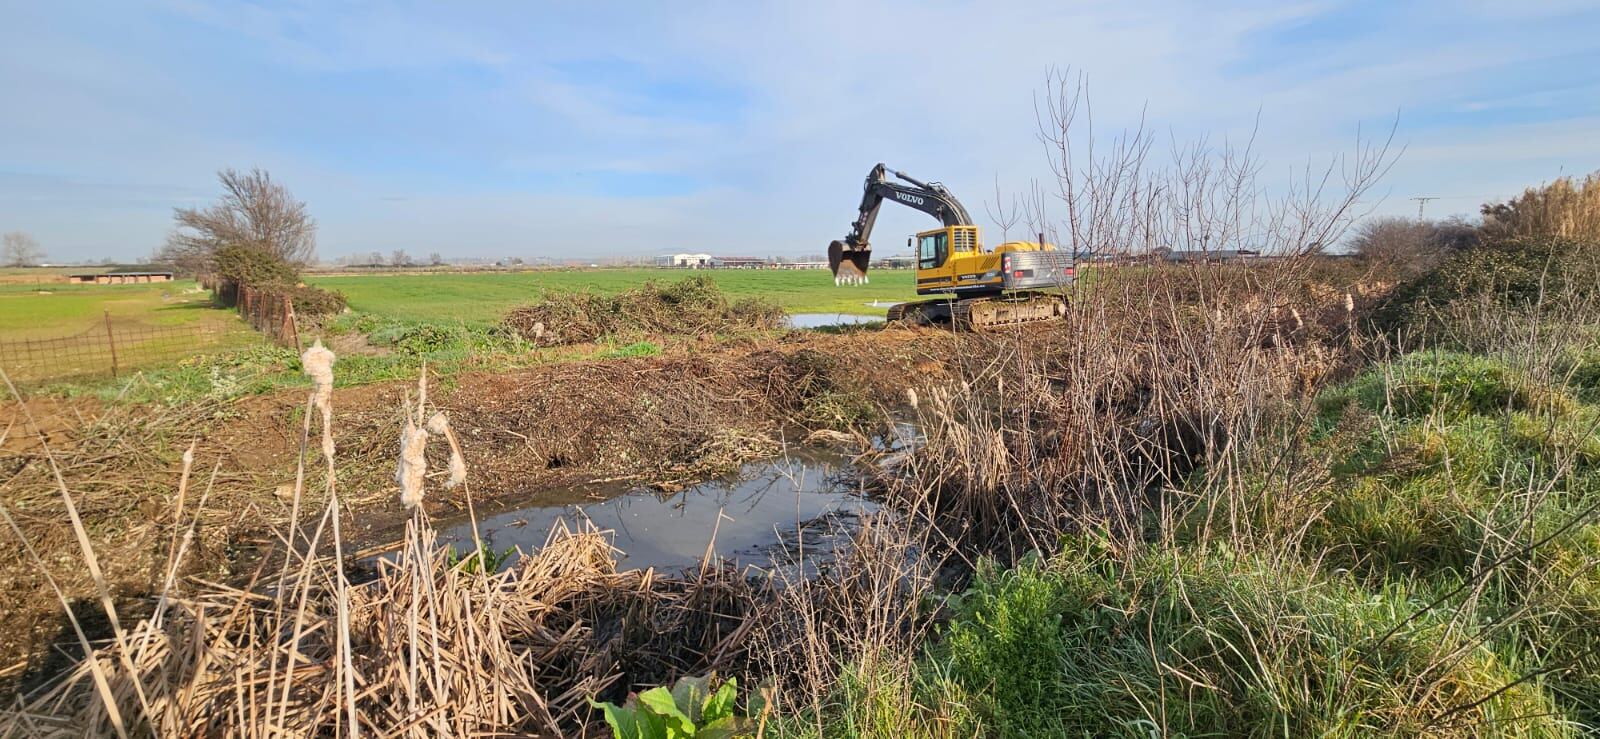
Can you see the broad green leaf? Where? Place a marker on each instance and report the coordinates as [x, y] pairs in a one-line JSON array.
[[624, 722], [720, 705], [675, 722], [689, 694], [724, 728], [653, 726]]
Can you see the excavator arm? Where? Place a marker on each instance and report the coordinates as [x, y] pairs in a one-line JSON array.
[[850, 256]]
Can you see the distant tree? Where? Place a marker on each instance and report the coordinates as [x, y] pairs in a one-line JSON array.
[[399, 258], [435, 259], [254, 212], [1454, 234], [1561, 209], [1408, 246], [18, 249]]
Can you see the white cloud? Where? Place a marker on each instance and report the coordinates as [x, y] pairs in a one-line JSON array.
[[465, 110]]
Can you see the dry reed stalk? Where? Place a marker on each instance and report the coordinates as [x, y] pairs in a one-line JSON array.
[[424, 648]]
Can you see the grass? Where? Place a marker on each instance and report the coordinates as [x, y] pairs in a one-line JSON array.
[[1447, 582], [1437, 573], [1481, 477], [482, 298], [448, 319], [59, 310], [1208, 643], [447, 342]]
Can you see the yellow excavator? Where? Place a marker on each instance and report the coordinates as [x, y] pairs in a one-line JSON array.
[[1015, 282]]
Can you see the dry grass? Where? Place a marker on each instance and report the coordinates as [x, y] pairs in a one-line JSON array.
[[434, 649], [658, 420], [422, 648]]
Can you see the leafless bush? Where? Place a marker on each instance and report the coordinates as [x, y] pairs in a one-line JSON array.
[[255, 211], [19, 249], [1406, 247]]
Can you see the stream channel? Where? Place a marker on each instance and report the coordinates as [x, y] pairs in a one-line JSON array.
[[766, 515]]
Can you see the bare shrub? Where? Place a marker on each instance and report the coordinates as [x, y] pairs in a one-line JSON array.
[[1406, 247], [19, 249], [255, 212]]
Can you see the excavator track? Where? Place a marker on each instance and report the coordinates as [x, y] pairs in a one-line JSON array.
[[979, 314], [920, 313]]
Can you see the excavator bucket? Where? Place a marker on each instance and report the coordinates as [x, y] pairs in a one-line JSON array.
[[849, 265]]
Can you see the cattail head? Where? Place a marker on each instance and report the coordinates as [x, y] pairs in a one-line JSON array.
[[1349, 303], [413, 464], [439, 424], [318, 364], [911, 396]]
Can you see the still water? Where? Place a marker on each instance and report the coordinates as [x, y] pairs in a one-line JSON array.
[[770, 510], [821, 320]]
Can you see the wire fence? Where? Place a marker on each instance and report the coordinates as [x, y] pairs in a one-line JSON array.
[[271, 313], [112, 350]]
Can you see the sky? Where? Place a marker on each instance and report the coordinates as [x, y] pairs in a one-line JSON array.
[[601, 129]]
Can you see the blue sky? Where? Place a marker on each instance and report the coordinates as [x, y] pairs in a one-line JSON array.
[[601, 129]]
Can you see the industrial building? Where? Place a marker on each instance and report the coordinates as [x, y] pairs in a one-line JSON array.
[[119, 278]]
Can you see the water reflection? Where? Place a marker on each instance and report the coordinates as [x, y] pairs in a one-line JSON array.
[[821, 320], [768, 506]]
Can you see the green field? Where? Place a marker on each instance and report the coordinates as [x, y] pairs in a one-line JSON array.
[[50, 310], [53, 310], [481, 298]]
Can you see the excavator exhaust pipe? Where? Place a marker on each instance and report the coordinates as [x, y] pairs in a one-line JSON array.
[[849, 265]]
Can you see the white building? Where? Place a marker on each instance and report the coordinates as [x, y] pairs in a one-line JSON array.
[[684, 260]]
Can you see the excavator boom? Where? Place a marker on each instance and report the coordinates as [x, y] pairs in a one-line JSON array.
[[849, 257]]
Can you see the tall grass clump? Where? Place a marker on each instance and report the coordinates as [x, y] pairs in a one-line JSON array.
[[1483, 486], [1087, 643]]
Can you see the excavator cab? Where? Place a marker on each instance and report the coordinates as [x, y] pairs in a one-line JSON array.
[[941, 252]]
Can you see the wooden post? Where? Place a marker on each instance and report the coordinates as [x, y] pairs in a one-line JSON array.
[[291, 324], [111, 341]]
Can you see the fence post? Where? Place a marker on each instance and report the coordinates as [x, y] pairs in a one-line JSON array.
[[111, 341], [292, 325]]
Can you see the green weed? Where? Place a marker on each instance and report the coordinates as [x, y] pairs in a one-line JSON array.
[[634, 350], [690, 710]]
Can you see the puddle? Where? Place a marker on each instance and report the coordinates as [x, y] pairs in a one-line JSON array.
[[769, 511], [821, 320]]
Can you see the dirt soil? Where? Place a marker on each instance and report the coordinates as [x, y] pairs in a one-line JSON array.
[[694, 412]]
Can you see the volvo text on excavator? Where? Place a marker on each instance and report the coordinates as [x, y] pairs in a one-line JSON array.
[[1015, 282]]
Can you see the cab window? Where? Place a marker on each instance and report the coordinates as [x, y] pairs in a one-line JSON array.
[[932, 250]]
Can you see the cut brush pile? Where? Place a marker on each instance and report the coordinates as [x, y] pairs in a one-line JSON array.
[[690, 307]]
